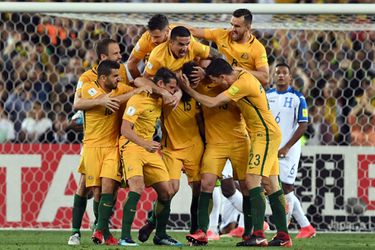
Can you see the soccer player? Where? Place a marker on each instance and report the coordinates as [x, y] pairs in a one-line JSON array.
[[106, 49], [100, 143], [265, 136], [142, 164], [157, 33], [289, 108], [238, 45], [178, 50], [226, 138]]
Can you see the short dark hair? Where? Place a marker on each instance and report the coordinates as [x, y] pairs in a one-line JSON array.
[[188, 68], [219, 67], [106, 66], [180, 31], [102, 46], [157, 22], [282, 64], [165, 75], [245, 13]]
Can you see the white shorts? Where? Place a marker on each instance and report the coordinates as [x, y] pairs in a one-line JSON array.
[[228, 170], [289, 165]]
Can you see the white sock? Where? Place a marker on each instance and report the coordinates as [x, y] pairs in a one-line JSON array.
[[214, 215], [290, 200], [241, 222], [298, 213], [228, 212], [236, 199]]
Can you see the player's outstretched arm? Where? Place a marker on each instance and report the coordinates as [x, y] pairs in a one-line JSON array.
[[207, 101], [133, 66], [104, 100], [168, 99], [128, 132], [125, 97]]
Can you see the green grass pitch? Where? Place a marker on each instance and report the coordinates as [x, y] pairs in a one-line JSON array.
[[10, 239]]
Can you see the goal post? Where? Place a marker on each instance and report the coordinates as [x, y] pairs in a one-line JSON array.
[[329, 48]]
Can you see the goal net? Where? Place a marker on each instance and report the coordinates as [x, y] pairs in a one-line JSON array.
[[42, 55]]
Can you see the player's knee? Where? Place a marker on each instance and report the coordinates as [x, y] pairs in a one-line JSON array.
[[208, 182], [136, 185]]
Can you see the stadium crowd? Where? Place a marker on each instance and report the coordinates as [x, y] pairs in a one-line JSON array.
[[43, 56]]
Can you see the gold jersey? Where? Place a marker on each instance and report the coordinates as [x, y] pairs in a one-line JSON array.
[[222, 124], [251, 55], [162, 56], [102, 126], [251, 99], [180, 126]]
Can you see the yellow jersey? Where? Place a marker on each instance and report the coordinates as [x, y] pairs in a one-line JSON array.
[[222, 124], [102, 127], [143, 111], [251, 99], [180, 126], [251, 55], [162, 56]]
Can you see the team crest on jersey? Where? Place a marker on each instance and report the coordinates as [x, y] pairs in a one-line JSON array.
[[245, 56], [233, 90], [92, 91], [130, 111]]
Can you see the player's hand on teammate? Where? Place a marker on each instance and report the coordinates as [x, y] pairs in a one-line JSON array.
[[282, 152], [146, 89], [109, 102], [152, 146], [184, 81], [197, 76]]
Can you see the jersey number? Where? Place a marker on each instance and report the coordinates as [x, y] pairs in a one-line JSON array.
[[187, 106], [254, 159]]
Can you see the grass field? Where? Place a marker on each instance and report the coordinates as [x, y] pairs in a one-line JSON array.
[[58, 240]]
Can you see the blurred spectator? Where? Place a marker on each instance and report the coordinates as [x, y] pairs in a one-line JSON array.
[[7, 133], [19, 102], [35, 125], [60, 126]]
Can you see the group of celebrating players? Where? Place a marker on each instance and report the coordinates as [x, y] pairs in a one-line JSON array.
[[213, 108]]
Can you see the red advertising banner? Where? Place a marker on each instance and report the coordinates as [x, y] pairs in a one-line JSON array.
[[37, 184]]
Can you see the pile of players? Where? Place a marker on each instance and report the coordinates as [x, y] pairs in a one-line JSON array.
[[214, 109]]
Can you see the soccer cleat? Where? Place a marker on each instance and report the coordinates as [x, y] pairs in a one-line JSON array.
[[74, 239], [237, 232], [211, 235], [253, 241], [98, 237], [145, 231], [306, 232], [166, 241], [111, 241], [278, 242], [127, 242], [197, 238]]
